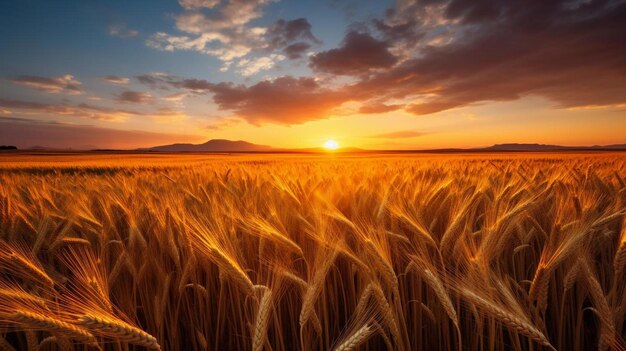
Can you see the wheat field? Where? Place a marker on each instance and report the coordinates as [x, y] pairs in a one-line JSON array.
[[292, 252]]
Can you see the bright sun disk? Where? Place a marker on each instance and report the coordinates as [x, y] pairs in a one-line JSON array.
[[331, 145]]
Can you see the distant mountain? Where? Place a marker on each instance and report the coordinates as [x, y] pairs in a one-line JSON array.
[[544, 147], [222, 145], [215, 145], [612, 147], [523, 147]]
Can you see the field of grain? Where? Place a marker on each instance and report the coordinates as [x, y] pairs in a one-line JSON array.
[[292, 252]]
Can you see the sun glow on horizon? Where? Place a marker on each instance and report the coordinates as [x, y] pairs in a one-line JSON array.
[[331, 145]]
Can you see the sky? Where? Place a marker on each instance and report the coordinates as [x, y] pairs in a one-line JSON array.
[[407, 74]]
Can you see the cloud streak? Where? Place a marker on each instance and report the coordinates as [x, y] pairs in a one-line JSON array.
[[120, 30], [25, 133], [66, 84], [117, 79], [136, 97], [68, 110]]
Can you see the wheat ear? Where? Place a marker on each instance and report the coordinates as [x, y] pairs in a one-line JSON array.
[[40, 321], [509, 319], [120, 330], [262, 319], [356, 339], [442, 294]]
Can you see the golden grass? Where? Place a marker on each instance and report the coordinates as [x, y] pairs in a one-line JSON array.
[[292, 252]]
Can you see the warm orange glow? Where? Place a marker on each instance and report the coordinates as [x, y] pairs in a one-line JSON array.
[[331, 145]]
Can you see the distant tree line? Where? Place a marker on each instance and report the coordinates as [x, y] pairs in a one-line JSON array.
[[8, 147]]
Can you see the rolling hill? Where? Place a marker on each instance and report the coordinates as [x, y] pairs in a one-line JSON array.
[[214, 145]]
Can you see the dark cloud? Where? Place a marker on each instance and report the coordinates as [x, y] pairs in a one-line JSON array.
[[357, 55], [63, 84], [157, 80], [25, 133], [284, 32], [570, 52], [405, 134], [134, 97], [296, 51], [195, 85], [293, 37], [18, 104]]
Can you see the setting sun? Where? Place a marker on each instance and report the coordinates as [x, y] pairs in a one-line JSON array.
[[331, 145]]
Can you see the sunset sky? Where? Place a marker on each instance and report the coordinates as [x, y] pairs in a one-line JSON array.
[[293, 74]]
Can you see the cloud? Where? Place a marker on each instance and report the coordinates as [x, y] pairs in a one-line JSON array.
[[175, 97], [223, 32], [230, 13], [285, 100], [26, 133], [248, 67], [120, 30], [196, 4], [296, 51], [405, 134], [378, 107], [458, 53], [569, 52], [66, 84], [293, 37], [160, 115], [156, 80], [357, 55], [134, 97], [285, 32], [68, 110], [117, 79]]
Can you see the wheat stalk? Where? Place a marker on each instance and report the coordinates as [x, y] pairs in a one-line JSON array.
[[5, 346]]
